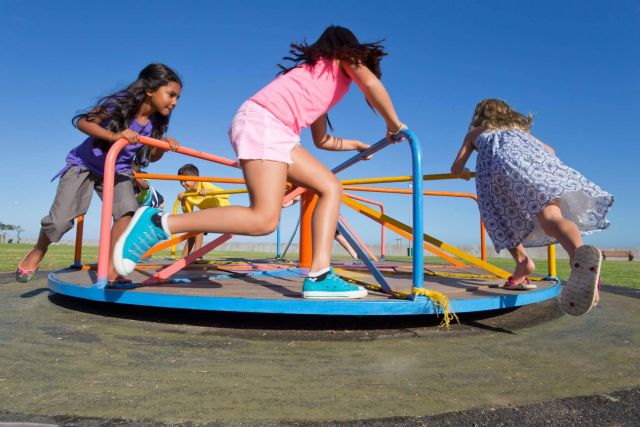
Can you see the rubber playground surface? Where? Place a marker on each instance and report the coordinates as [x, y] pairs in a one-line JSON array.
[[74, 362]]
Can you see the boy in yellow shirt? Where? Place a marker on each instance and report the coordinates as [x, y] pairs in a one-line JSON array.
[[202, 201]]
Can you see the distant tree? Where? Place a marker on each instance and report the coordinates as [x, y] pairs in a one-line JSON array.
[[3, 232], [18, 229], [4, 228]]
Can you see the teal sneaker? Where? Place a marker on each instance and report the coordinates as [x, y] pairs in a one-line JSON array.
[[331, 287], [141, 234]]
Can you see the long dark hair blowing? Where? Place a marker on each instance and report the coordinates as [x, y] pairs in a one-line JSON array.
[[121, 107], [337, 43]]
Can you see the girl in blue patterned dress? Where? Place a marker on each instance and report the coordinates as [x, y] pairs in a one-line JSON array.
[[528, 197]]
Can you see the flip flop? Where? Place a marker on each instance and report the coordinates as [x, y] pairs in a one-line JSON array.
[[120, 282], [579, 293], [24, 275], [525, 285]]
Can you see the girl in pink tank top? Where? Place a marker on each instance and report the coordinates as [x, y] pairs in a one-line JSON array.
[[265, 134]]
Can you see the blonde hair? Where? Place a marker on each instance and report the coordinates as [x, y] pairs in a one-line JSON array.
[[497, 114]]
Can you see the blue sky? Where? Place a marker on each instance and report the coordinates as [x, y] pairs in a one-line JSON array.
[[575, 64]]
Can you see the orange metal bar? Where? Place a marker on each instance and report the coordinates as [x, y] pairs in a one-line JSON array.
[[169, 243], [307, 206], [77, 258]]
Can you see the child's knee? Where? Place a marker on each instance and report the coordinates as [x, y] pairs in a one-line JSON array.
[[54, 229], [263, 224], [550, 213], [332, 187]]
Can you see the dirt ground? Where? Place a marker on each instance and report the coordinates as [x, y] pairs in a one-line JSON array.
[[72, 362]]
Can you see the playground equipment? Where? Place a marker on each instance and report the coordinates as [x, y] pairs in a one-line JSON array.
[[465, 284]]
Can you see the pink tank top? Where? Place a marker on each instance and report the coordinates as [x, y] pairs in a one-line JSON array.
[[305, 93]]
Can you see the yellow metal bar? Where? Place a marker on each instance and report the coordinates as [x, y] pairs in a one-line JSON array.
[[397, 225], [176, 204], [381, 219], [483, 243], [406, 178], [551, 260], [216, 192]]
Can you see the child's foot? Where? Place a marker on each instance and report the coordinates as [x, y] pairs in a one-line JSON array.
[[28, 267], [580, 293], [331, 287], [142, 233], [524, 285], [119, 281], [522, 270]]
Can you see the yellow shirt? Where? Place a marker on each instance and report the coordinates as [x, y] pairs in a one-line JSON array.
[[210, 200]]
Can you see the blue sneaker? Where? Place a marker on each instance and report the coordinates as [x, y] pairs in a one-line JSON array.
[[141, 234], [331, 287]]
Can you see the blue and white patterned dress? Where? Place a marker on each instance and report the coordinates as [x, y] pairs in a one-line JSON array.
[[516, 177]]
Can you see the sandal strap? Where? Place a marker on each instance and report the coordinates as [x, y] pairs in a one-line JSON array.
[[22, 271]]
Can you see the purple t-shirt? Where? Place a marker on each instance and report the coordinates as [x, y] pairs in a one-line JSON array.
[[92, 158]]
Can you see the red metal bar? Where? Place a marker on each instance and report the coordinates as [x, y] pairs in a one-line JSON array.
[[164, 274], [358, 239], [381, 206]]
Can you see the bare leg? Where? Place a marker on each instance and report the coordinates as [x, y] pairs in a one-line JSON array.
[[524, 264], [564, 231], [308, 172], [36, 255], [188, 247], [197, 241], [192, 244], [347, 247], [561, 229], [266, 182], [116, 231]]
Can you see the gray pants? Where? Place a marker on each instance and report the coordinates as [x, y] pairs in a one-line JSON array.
[[73, 197]]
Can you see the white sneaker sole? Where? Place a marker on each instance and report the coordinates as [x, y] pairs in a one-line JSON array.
[[124, 266], [579, 293], [360, 293]]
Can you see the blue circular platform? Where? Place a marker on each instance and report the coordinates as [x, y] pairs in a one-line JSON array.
[[278, 292]]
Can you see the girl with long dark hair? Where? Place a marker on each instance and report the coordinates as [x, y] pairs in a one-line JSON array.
[[142, 108]]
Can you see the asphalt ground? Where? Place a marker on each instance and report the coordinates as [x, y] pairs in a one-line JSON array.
[[71, 362]]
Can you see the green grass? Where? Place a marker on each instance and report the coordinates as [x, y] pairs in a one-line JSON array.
[[619, 273]]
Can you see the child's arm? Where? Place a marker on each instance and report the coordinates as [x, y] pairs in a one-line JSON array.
[[156, 153], [93, 129], [142, 184], [376, 94], [457, 168], [325, 141]]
